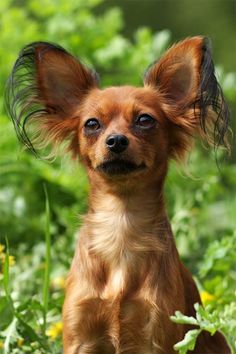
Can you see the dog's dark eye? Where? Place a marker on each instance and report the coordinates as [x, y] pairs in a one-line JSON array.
[[145, 121], [92, 124]]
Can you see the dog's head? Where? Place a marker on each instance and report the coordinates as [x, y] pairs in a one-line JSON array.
[[124, 130]]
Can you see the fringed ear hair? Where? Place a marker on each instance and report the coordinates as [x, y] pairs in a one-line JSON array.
[[190, 95], [45, 88]]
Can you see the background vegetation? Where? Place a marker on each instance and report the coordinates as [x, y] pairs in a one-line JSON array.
[[41, 231]]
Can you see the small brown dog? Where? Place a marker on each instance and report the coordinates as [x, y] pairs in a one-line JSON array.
[[126, 278]]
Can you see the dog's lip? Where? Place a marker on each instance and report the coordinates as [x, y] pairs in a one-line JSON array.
[[120, 167]]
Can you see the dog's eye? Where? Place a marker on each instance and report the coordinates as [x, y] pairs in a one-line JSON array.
[[92, 124], [145, 121]]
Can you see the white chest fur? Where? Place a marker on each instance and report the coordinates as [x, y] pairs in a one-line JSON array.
[[120, 232]]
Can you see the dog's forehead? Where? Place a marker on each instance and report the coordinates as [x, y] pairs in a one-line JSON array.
[[122, 94], [120, 98]]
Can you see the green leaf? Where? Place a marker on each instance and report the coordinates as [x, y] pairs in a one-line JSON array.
[[6, 314], [189, 341], [180, 318]]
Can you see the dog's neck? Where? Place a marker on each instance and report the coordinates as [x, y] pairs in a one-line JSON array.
[[126, 225]]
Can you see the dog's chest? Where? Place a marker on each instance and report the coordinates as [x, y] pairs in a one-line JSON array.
[[132, 312], [120, 236], [110, 231], [115, 284]]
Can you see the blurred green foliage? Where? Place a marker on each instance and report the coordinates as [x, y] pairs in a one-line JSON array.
[[201, 198], [217, 274]]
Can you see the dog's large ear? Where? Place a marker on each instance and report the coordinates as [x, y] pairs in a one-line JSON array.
[[45, 89], [190, 95]]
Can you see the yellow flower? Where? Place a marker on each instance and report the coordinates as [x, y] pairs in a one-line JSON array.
[[1, 344], [58, 282], [2, 257], [20, 342], [2, 248], [12, 261], [55, 330], [206, 297]]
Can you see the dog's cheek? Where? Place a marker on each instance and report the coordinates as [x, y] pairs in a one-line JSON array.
[[88, 150], [84, 150], [180, 142], [163, 145], [157, 149]]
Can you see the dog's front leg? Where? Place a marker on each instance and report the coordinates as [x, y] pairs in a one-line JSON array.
[[88, 324]]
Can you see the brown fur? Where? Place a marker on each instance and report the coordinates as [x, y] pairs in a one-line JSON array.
[[126, 278]]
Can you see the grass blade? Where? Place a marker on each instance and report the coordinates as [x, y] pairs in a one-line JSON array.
[[46, 282], [10, 332], [6, 279]]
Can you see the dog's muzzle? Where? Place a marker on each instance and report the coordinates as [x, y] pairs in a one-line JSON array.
[[119, 167]]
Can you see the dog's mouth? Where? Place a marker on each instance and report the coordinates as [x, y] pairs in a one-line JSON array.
[[119, 167]]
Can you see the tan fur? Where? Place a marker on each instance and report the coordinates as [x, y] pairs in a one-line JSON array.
[[126, 278], [121, 238]]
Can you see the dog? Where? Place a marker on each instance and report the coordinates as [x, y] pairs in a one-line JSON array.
[[126, 278]]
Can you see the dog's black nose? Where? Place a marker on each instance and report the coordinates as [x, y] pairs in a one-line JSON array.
[[117, 143]]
